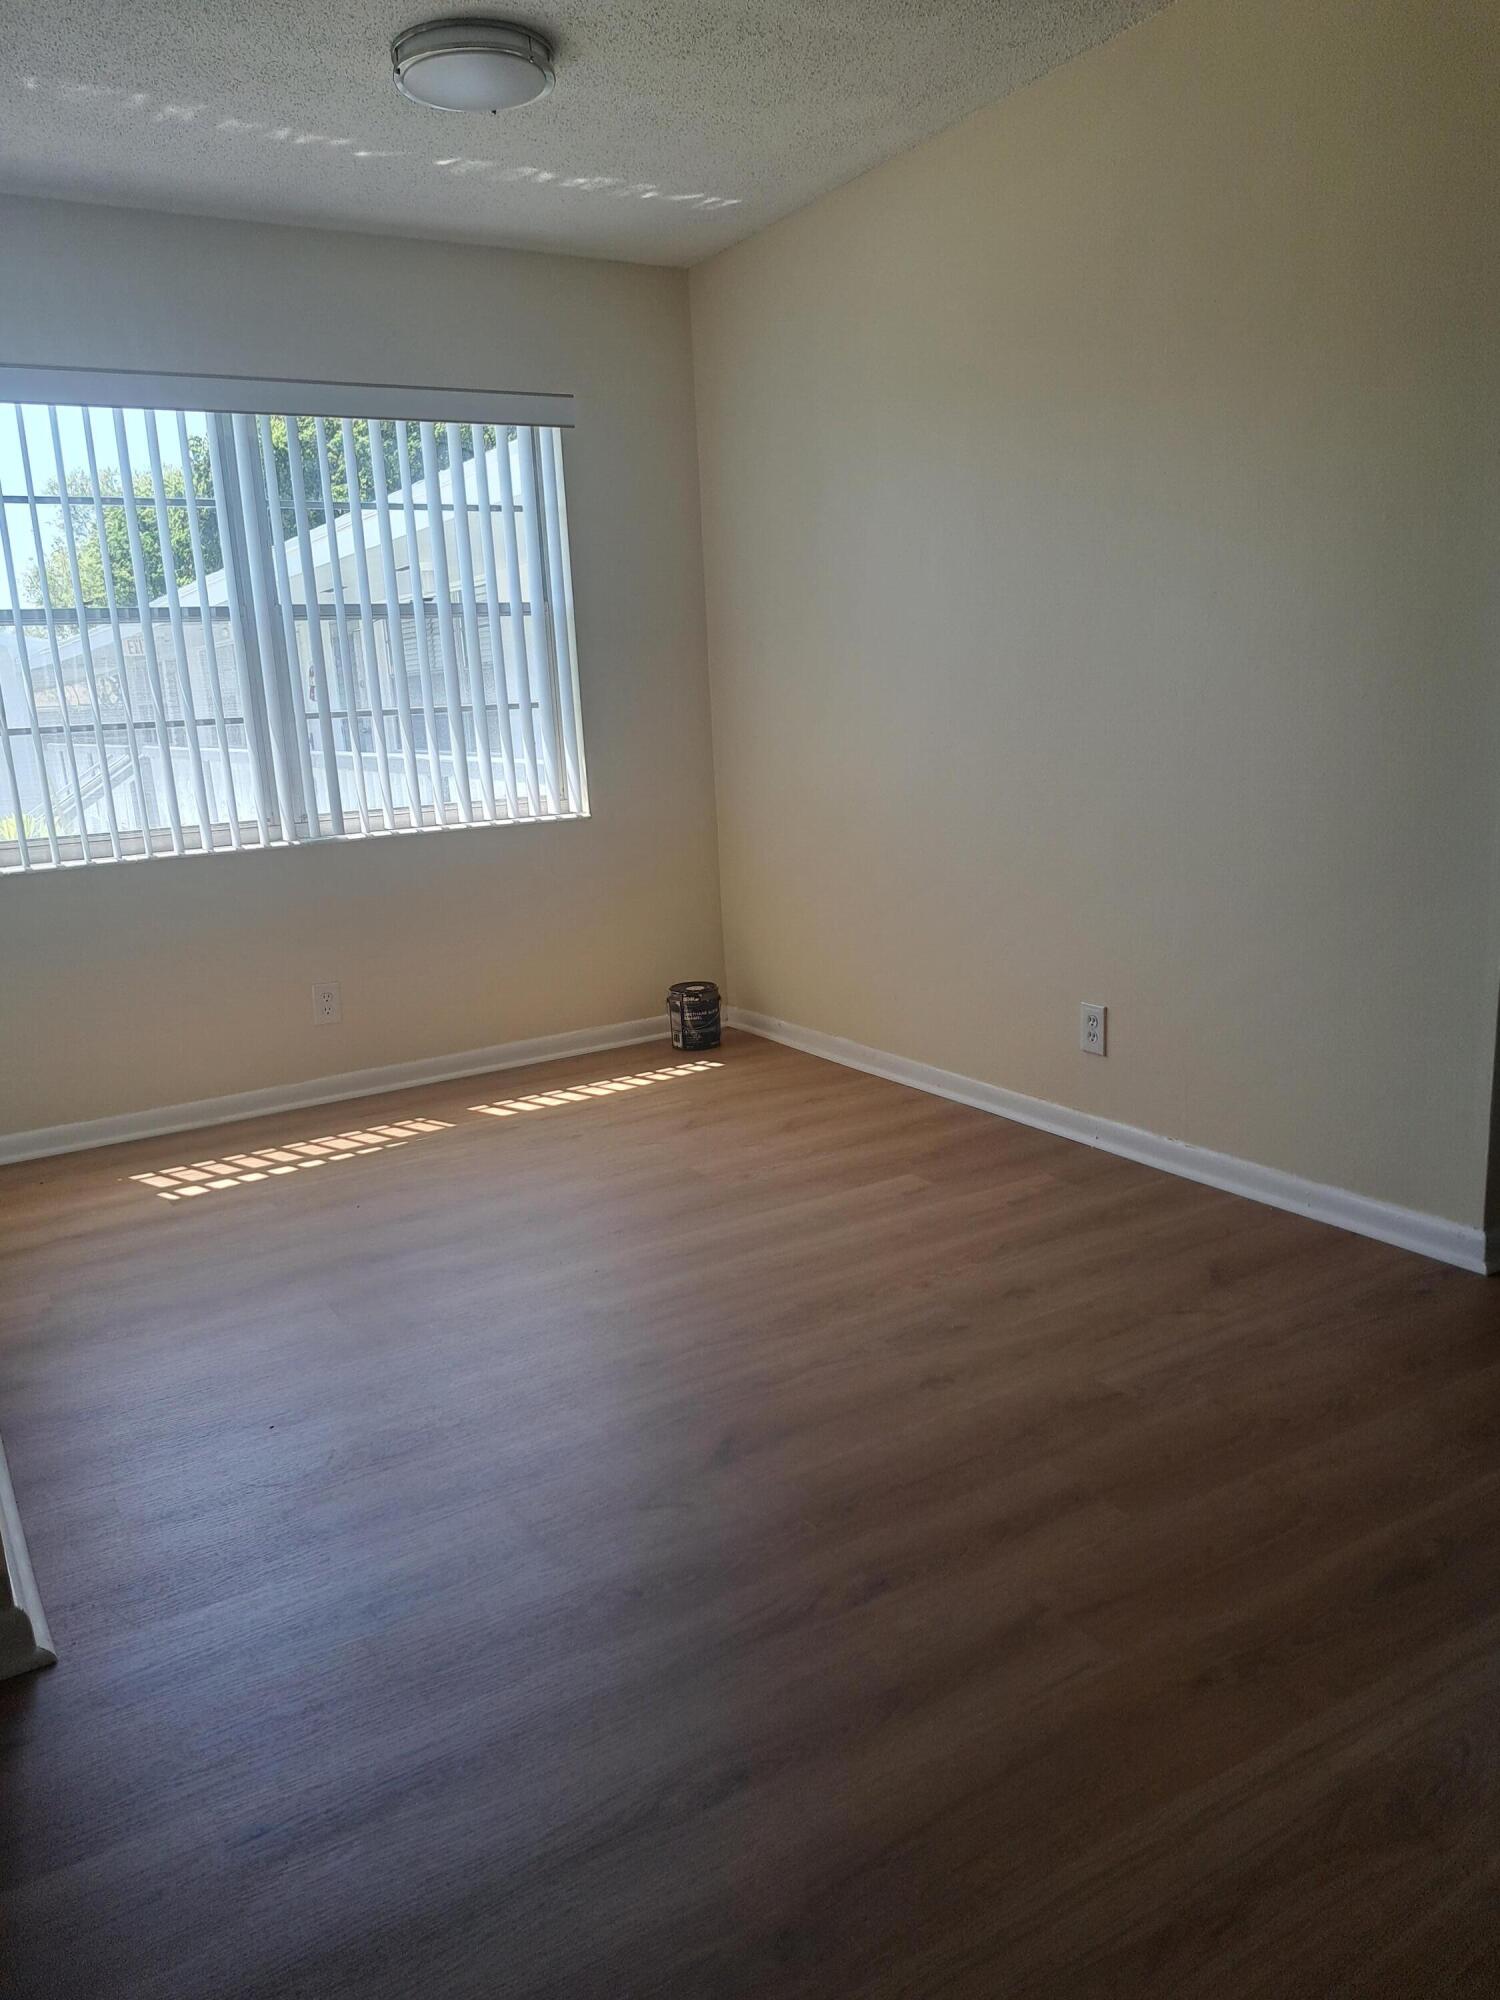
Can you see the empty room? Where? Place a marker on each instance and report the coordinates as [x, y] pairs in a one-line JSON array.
[[749, 975]]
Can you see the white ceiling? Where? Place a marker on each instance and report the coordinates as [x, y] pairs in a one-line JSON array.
[[676, 127]]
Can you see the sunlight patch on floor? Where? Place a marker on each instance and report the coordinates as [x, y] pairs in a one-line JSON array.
[[295, 1156], [232, 1170], [580, 1093]]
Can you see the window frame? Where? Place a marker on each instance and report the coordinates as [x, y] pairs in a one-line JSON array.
[[224, 399]]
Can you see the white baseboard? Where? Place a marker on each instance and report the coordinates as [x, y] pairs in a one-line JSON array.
[[1406, 1228], [25, 1642], [49, 1139]]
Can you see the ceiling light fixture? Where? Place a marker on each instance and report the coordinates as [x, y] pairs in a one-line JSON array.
[[471, 64]]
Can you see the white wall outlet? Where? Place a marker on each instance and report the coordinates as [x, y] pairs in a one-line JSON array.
[[1092, 1020], [327, 1006]]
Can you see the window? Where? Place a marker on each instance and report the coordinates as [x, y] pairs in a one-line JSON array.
[[226, 626]]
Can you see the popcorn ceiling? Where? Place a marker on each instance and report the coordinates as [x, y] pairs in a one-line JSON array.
[[675, 128]]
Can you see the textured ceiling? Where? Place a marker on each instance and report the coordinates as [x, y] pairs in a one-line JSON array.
[[676, 127]]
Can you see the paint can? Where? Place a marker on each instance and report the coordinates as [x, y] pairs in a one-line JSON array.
[[693, 1014]]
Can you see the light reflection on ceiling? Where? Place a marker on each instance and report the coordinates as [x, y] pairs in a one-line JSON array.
[[112, 99]]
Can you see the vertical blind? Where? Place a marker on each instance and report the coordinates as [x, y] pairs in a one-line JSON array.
[[222, 629]]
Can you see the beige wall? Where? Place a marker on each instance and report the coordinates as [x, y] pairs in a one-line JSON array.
[[1102, 541], [124, 988], [1100, 508]]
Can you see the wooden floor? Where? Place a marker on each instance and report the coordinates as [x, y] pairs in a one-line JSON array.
[[762, 1532]]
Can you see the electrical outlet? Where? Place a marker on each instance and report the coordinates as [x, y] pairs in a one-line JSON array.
[[327, 1006], [1091, 1024]]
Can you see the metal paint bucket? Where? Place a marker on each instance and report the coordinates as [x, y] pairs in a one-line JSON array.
[[693, 1014]]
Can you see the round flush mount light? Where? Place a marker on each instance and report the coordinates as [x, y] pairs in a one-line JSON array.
[[472, 64]]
